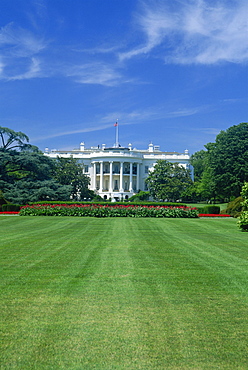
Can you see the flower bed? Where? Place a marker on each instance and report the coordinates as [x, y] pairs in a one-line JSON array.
[[212, 215], [96, 210]]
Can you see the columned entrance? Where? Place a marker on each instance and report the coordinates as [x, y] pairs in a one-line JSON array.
[[115, 177]]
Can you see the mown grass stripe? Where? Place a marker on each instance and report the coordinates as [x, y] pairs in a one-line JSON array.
[[123, 294]]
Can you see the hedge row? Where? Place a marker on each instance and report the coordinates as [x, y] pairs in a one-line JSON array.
[[108, 211], [211, 209], [10, 207], [114, 204]]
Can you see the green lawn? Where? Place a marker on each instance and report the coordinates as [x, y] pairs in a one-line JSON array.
[[123, 293]]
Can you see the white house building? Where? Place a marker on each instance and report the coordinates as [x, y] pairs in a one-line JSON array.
[[119, 172]]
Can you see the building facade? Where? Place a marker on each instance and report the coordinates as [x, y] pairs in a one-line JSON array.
[[118, 172]]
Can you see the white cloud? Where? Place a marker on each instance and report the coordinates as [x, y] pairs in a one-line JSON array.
[[97, 50], [152, 114], [207, 130], [182, 31], [126, 118], [195, 32], [20, 42], [66, 133], [19, 49], [2, 65], [183, 112], [95, 73], [106, 122], [33, 71]]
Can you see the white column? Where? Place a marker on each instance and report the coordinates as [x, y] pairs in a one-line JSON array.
[[121, 177], [131, 178], [138, 176], [111, 176], [101, 176], [94, 176]]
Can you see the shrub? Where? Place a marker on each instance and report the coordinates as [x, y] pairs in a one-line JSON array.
[[243, 221], [11, 207], [211, 209], [97, 198], [140, 196], [114, 204], [234, 208], [244, 194], [96, 210], [2, 200]]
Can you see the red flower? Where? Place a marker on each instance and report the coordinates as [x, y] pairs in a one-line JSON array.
[[212, 215], [9, 213]]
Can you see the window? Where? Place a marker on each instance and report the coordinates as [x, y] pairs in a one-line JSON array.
[[116, 185], [106, 168], [126, 169], [116, 168], [86, 169], [146, 169], [134, 169], [106, 185]]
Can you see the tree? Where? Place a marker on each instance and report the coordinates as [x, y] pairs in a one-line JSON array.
[[2, 200], [69, 172], [28, 177], [10, 139], [140, 196], [25, 173], [205, 187], [222, 168], [25, 191], [16, 165], [168, 181], [18, 159], [227, 162], [199, 161]]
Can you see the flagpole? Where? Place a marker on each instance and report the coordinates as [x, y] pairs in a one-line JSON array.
[[116, 134]]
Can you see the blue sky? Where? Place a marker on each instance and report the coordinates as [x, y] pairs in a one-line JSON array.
[[172, 72]]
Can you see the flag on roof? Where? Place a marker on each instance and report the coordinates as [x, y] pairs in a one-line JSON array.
[[116, 124]]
